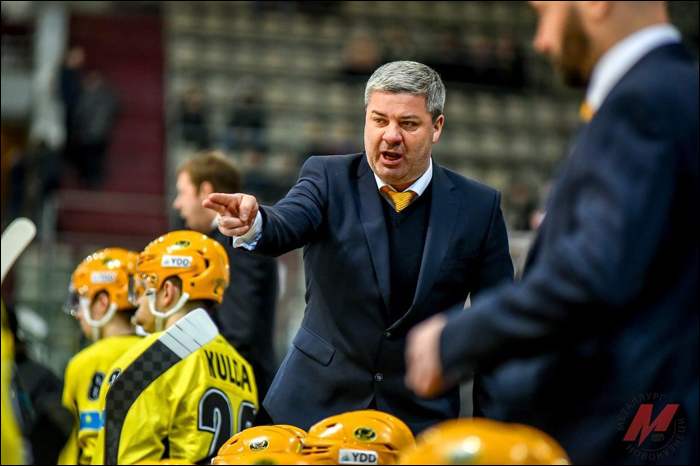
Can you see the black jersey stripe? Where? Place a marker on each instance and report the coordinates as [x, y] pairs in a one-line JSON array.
[[150, 365]]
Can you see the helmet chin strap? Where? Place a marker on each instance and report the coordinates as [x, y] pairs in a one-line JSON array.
[[97, 324], [161, 316]]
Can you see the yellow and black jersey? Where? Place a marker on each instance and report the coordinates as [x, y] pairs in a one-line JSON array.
[[178, 394], [84, 376]]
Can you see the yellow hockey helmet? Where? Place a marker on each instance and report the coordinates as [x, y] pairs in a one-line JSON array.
[[264, 458], [482, 441], [107, 270], [255, 441], [370, 437], [200, 262]]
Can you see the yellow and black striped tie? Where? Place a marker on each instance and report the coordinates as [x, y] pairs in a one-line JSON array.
[[401, 200]]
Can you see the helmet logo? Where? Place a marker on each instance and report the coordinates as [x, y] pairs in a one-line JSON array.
[[103, 277], [357, 457], [182, 244], [365, 434], [259, 444], [183, 262]]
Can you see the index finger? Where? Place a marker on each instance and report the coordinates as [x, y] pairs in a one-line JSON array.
[[223, 198], [218, 208], [223, 203]]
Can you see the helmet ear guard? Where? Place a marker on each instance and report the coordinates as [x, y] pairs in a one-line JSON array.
[[161, 317], [97, 324]]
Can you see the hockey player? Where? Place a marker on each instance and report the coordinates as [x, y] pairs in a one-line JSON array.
[[99, 299], [184, 390]]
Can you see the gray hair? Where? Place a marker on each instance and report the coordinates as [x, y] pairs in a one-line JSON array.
[[409, 77]]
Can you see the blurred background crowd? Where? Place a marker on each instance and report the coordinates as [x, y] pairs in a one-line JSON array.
[[102, 101]]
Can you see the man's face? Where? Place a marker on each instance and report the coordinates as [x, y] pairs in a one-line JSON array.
[[143, 316], [189, 204], [562, 38], [399, 136]]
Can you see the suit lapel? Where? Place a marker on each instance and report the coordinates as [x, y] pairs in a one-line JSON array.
[[444, 211], [372, 216]]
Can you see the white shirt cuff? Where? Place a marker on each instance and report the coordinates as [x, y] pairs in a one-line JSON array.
[[250, 239]]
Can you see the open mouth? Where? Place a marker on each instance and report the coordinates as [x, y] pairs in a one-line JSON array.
[[391, 157]]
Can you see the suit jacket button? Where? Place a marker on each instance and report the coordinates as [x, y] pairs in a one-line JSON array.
[[387, 335], [379, 377]]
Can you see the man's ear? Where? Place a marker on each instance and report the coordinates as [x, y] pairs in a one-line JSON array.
[[205, 189], [171, 294], [437, 128], [101, 305]]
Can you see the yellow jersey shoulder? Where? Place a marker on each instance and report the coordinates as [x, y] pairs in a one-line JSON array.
[[89, 368], [103, 353]]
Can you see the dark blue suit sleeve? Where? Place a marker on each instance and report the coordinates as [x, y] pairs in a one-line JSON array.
[[621, 207], [293, 221], [497, 266]]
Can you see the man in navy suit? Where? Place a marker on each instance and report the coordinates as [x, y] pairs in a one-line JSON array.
[[598, 345], [390, 238]]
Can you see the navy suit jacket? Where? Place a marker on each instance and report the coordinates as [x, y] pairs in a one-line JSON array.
[[607, 312], [347, 352]]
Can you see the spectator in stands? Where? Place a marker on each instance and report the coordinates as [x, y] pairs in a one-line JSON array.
[[71, 82], [265, 183], [362, 57], [451, 61], [95, 116], [482, 61], [510, 63], [398, 44], [193, 118], [247, 124], [34, 174]]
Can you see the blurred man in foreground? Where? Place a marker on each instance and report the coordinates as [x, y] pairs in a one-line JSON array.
[[598, 346]]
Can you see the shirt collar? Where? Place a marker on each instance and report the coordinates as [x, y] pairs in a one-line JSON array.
[[418, 187], [617, 61]]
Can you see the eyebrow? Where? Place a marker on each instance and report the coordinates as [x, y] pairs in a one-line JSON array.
[[404, 117]]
